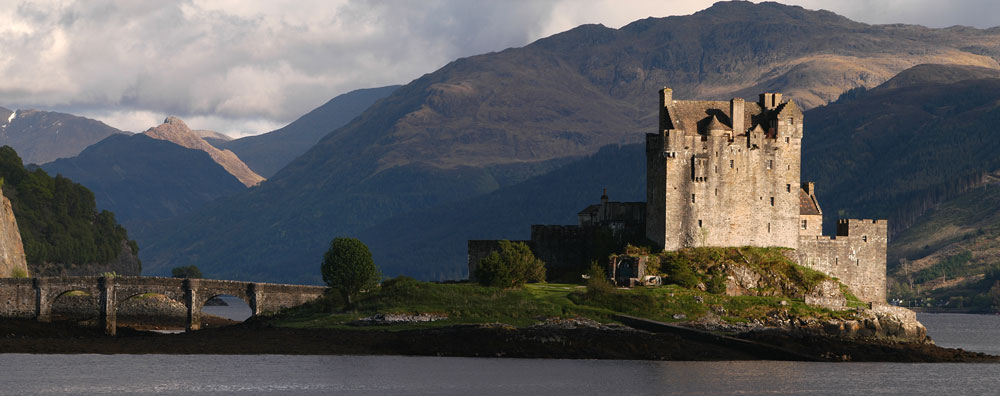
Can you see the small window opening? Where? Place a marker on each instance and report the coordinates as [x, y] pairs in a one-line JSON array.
[[692, 198], [772, 201], [788, 187], [786, 140], [770, 163], [730, 164], [699, 223], [768, 227], [864, 238], [804, 224], [716, 192]]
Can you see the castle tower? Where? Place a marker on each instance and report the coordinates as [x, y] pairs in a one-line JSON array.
[[724, 173]]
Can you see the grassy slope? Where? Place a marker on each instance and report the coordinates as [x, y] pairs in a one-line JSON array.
[[465, 303]]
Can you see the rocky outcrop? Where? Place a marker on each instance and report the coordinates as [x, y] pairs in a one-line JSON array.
[[12, 259], [175, 130]]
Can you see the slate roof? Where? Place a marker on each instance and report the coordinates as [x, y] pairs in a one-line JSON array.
[[695, 115], [808, 205]]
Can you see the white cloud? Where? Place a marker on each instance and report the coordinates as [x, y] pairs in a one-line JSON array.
[[237, 65]]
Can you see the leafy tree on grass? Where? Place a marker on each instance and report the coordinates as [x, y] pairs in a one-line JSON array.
[[512, 266], [190, 271], [348, 268]]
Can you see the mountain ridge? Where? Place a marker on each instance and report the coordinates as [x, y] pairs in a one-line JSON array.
[[443, 137], [176, 131]]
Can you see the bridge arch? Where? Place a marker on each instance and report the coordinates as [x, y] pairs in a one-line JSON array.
[[76, 304], [33, 297]]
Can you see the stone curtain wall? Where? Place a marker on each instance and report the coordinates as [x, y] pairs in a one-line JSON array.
[[856, 256]]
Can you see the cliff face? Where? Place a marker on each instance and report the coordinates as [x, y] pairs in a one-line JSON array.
[[176, 131], [12, 260]]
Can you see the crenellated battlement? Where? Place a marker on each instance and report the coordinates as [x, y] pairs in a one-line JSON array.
[[727, 173]]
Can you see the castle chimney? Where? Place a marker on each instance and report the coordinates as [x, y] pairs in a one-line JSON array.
[[736, 115], [603, 216], [765, 101], [666, 98], [810, 187]]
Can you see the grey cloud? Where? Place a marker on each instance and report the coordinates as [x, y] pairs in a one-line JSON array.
[[237, 65]]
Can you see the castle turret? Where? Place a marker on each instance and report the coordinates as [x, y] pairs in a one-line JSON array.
[[715, 127]]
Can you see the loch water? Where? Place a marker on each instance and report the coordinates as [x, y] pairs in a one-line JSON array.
[[24, 374]]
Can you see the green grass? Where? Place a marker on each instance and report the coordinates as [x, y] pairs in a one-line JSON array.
[[467, 303]]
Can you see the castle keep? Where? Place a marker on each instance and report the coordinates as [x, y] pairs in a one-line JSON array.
[[725, 173], [728, 174]]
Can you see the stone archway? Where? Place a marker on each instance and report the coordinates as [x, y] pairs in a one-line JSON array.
[[150, 311], [77, 305]]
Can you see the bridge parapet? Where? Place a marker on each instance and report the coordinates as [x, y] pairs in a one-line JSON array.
[[25, 298]]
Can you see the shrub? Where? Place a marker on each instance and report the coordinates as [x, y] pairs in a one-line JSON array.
[[348, 268], [679, 272], [597, 281], [190, 271], [512, 266], [19, 272]]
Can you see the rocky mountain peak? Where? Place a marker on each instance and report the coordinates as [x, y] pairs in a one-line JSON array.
[[175, 130], [175, 121]]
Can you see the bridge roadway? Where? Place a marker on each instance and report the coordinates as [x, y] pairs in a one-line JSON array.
[[33, 297]]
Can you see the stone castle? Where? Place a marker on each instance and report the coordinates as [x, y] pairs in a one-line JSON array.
[[726, 173]]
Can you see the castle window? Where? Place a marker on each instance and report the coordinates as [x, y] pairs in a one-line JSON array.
[[804, 224], [864, 238], [788, 187], [716, 192], [772, 201], [692, 198], [716, 169], [770, 164], [768, 227], [786, 140], [699, 223], [730, 164]]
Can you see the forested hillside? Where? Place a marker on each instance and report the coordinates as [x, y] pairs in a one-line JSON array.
[[58, 220], [897, 150]]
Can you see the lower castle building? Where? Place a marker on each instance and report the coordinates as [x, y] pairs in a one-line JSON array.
[[726, 173]]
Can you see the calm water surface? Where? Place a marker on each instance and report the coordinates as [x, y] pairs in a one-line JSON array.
[[23, 374]]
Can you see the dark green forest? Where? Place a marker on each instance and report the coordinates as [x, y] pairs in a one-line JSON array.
[[57, 218]]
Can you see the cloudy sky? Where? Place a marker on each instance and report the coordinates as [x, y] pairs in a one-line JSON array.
[[245, 67]]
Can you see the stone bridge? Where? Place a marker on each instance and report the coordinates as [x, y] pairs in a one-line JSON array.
[[33, 297]]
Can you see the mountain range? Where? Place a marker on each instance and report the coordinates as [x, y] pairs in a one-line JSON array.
[[43, 136], [489, 122], [267, 153]]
